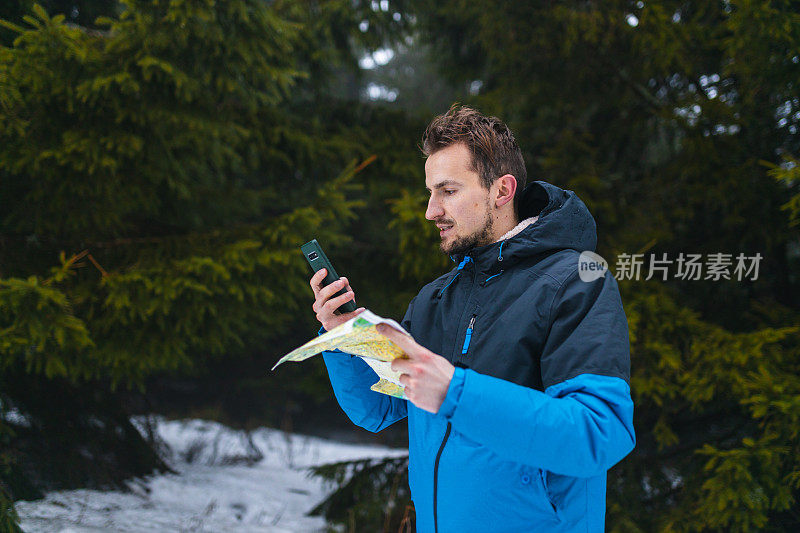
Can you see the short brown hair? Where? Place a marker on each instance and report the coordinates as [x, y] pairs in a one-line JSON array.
[[494, 150]]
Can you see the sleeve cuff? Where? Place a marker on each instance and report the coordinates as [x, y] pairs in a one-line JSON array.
[[450, 402]]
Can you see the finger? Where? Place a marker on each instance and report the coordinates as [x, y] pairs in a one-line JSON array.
[[335, 303], [347, 287], [329, 290], [354, 313], [403, 341], [316, 280], [401, 365], [390, 331]]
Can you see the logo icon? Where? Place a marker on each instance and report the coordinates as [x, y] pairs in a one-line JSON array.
[[591, 266]]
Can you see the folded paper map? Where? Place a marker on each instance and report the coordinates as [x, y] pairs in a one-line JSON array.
[[359, 337]]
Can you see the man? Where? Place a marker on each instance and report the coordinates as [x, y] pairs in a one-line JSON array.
[[517, 373]]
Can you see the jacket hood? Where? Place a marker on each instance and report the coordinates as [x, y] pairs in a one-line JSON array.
[[564, 223]]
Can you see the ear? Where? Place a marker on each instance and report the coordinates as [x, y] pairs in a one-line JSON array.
[[506, 187]]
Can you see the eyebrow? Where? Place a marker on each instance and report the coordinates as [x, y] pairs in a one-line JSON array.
[[443, 184]]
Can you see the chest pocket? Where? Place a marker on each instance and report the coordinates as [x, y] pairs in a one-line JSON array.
[[466, 333]]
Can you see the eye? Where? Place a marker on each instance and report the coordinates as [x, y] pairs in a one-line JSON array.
[[449, 192]]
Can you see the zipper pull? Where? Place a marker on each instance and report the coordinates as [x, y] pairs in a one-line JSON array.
[[468, 336]]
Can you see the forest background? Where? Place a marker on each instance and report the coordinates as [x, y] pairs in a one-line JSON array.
[[161, 161]]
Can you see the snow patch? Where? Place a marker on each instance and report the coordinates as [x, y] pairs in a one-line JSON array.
[[228, 480]]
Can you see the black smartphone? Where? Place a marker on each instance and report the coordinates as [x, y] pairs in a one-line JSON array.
[[318, 260]]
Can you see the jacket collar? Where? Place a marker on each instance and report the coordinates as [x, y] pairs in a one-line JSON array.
[[519, 227]]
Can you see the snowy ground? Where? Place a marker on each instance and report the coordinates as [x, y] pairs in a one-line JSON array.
[[227, 481]]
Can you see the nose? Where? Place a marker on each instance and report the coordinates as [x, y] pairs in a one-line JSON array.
[[434, 210]]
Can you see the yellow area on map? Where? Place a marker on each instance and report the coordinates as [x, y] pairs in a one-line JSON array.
[[387, 387]]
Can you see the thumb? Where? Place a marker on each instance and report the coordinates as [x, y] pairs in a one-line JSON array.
[[403, 341]]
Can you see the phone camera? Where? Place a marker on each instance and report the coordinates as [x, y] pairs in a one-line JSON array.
[[312, 256]]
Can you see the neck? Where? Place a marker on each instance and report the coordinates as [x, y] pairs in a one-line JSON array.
[[503, 224]]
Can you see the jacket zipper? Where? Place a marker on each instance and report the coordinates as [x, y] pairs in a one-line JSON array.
[[464, 349], [468, 336], [449, 425], [436, 476]]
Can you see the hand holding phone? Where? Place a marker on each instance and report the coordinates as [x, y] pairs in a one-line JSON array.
[[334, 300]]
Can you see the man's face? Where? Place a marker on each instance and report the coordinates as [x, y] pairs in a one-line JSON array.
[[459, 205]]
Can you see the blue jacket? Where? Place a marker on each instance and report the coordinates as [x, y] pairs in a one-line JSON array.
[[539, 407]]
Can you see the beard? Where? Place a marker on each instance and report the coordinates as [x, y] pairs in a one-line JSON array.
[[481, 237]]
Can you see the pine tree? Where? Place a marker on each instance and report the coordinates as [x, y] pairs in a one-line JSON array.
[[157, 174]]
